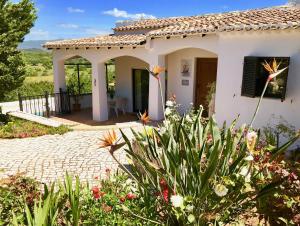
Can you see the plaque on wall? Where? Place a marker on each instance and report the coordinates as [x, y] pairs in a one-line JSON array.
[[185, 67], [185, 82]]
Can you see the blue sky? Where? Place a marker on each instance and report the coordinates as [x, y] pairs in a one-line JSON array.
[[60, 19]]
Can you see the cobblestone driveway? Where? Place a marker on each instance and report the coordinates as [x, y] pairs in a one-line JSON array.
[[47, 158]]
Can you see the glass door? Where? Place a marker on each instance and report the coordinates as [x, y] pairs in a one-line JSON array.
[[140, 90]]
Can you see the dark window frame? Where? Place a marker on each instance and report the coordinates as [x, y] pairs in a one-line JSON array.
[[255, 76]]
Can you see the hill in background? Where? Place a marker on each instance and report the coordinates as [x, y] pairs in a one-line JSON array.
[[33, 44]]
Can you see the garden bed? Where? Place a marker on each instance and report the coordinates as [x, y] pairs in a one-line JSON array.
[[13, 127]]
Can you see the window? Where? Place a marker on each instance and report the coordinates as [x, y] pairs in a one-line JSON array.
[[255, 78]]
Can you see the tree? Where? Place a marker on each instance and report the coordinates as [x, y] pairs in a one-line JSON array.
[[16, 21]]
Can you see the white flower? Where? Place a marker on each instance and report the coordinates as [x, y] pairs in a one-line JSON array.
[[169, 103], [163, 130], [128, 181], [248, 178], [191, 218], [177, 200], [249, 158], [244, 171], [221, 190], [168, 111], [189, 208], [189, 119]]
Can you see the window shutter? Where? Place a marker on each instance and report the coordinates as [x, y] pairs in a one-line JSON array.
[[249, 76]]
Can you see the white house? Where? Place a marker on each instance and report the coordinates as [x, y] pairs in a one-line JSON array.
[[195, 51]]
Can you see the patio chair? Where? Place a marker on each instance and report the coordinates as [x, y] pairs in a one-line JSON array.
[[120, 103]]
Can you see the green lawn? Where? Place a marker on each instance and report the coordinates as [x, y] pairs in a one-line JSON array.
[[34, 79], [19, 128]]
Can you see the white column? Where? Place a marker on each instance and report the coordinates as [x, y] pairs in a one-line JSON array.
[[100, 111], [155, 102], [59, 75]]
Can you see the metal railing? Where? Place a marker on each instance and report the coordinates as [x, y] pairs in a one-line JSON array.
[[46, 105]]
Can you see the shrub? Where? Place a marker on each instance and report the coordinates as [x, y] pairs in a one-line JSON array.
[[3, 119], [15, 192], [106, 203], [30, 89], [19, 128]]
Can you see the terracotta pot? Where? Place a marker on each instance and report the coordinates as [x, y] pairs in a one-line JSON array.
[[76, 107]]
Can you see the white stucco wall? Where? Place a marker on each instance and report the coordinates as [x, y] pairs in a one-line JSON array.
[[124, 66], [184, 94], [229, 47], [232, 49]]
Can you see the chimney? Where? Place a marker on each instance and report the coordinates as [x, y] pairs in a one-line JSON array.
[[293, 3]]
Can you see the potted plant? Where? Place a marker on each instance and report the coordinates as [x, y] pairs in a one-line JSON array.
[[73, 89], [111, 92]]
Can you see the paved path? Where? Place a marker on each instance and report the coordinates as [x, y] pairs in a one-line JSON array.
[[47, 158]]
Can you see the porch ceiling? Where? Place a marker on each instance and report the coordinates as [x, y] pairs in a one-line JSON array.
[[99, 41]]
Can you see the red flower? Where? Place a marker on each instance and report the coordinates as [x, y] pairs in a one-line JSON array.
[[95, 189], [96, 178], [130, 196], [96, 195], [163, 184], [256, 158], [165, 194], [107, 170], [293, 176], [122, 199]]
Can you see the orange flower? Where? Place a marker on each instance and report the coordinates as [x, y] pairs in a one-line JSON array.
[[106, 208], [156, 71], [108, 140], [273, 69], [144, 118]]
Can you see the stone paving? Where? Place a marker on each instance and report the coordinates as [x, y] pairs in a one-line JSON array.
[[47, 158]]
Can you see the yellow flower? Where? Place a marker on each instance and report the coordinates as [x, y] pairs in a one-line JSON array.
[[251, 141], [156, 71]]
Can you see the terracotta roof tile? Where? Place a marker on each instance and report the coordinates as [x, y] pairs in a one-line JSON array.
[[258, 19], [275, 18], [99, 41]]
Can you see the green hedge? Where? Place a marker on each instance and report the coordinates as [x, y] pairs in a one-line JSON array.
[[30, 89]]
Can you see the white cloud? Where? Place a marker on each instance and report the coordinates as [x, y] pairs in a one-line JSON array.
[[72, 26], [75, 10], [124, 14], [225, 7], [95, 31], [38, 34]]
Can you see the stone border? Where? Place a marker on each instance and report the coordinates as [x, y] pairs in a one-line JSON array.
[[35, 118]]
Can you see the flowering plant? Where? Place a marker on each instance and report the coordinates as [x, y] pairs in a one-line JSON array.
[[199, 172]]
